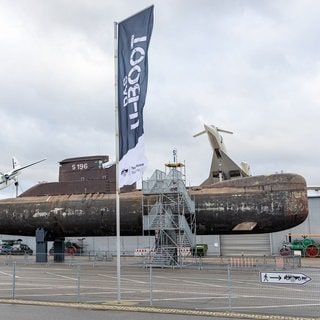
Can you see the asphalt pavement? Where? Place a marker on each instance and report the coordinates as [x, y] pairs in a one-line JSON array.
[[38, 311], [88, 291]]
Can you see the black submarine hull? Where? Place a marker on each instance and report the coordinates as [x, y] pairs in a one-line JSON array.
[[269, 203]]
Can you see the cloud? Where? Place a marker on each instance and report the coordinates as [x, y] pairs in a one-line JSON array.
[[249, 67]]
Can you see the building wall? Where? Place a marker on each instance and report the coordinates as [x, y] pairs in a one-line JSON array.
[[310, 226]]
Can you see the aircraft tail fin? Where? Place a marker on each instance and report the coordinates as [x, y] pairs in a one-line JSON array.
[[207, 128], [199, 134], [15, 163]]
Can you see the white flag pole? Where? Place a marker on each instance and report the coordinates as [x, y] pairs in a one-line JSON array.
[[117, 162]]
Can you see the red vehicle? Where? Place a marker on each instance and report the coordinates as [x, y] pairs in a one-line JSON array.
[[71, 248]]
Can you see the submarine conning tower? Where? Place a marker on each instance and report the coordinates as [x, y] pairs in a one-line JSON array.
[[80, 175]]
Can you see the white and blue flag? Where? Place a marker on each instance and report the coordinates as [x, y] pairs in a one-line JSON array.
[[134, 36]]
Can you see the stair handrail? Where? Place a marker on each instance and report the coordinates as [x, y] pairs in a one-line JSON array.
[[183, 224]]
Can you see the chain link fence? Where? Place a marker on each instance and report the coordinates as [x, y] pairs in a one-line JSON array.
[[239, 284]]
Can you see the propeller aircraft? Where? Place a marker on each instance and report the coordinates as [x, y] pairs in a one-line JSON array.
[[6, 179]]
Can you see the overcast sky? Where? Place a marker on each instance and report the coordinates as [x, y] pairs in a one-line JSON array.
[[251, 67]]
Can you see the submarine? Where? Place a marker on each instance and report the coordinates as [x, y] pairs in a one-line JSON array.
[[83, 201], [258, 204]]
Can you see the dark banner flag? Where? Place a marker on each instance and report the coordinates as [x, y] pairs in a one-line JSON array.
[[134, 36]]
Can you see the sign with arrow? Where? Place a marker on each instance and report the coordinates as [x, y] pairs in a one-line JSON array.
[[284, 278]]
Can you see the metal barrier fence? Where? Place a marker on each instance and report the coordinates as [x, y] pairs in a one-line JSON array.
[[236, 284]]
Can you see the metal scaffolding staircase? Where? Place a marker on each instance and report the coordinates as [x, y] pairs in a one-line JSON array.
[[169, 215]]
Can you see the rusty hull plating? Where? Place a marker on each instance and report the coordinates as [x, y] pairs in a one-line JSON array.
[[270, 203]]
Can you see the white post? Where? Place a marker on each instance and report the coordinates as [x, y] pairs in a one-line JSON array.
[[117, 163]]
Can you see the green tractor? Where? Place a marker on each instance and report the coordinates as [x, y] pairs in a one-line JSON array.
[[307, 246]]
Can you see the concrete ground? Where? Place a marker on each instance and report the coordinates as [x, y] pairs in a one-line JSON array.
[[51, 290]]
